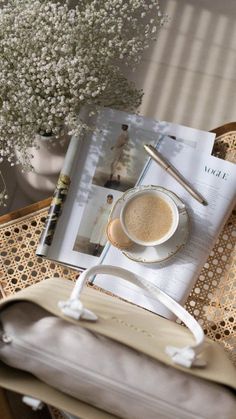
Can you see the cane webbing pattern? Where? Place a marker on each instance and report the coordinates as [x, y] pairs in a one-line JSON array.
[[56, 414], [212, 301], [20, 267]]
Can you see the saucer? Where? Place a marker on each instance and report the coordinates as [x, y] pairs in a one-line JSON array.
[[162, 252]]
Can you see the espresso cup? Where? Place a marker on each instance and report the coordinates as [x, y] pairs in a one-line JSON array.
[[149, 217]]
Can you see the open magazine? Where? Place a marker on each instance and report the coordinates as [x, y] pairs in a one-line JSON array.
[[98, 169], [215, 180]]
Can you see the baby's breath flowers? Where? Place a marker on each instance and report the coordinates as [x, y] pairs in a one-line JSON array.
[[56, 57]]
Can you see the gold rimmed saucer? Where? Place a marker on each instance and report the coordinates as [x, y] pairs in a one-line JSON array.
[[162, 252]]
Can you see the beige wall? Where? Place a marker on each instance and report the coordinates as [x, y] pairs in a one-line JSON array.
[[189, 75]]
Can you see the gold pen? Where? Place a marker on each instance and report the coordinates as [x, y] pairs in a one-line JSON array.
[[166, 165]]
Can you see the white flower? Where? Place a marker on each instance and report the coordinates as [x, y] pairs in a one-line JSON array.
[[55, 58]]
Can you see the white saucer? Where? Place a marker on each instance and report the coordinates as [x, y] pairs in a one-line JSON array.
[[162, 252]]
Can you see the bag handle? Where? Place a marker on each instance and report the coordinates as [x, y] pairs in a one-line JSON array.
[[186, 356]]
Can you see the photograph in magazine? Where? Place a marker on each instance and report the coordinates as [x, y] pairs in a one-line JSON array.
[[120, 163], [122, 156], [91, 237]]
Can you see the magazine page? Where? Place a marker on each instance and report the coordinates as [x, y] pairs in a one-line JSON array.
[[59, 196], [109, 162], [215, 180]]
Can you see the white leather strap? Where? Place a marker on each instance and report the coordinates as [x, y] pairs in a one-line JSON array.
[[186, 356]]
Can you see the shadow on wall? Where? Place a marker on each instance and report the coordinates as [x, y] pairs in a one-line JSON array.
[[188, 76]]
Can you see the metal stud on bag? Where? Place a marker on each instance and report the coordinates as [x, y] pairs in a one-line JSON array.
[[4, 338]]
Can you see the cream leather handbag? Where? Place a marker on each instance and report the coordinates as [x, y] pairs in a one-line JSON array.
[[95, 356]]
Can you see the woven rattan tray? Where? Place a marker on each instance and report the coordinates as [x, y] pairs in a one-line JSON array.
[[212, 300]]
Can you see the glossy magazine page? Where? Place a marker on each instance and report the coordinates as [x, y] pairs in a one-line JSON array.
[[98, 169]]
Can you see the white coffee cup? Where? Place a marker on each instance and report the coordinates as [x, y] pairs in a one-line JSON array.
[[169, 205]]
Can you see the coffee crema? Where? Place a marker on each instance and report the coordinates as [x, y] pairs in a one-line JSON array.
[[148, 218]]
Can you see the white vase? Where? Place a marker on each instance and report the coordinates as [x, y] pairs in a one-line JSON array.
[[47, 162]]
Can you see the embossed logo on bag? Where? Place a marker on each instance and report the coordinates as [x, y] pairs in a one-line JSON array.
[[132, 326]]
